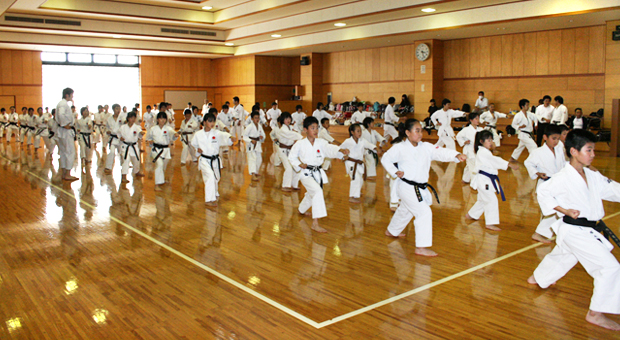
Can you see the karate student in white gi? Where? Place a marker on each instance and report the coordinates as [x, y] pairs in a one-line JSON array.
[[542, 164], [205, 107], [391, 121], [13, 127], [354, 161], [324, 134], [414, 157], [66, 134], [31, 126], [129, 135], [254, 136], [51, 137], [486, 181], [207, 143], [298, 118], [320, 113], [576, 195], [359, 115], [560, 112], [189, 126], [23, 125], [371, 157], [286, 137], [482, 104], [40, 126], [442, 120], [306, 157], [490, 119], [149, 118], [84, 127], [394, 199], [4, 122], [160, 137], [113, 125], [237, 115], [467, 139], [524, 122]]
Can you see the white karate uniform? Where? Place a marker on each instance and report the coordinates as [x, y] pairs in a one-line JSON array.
[[491, 119], [31, 123], [320, 114], [261, 116], [445, 132], [356, 151], [560, 115], [545, 113], [298, 120], [188, 127], [358, 117], [150, 120], [482, 104], [170, 114], [66, 137], [13, 127], [205, 109], [51, 137], [577, 123], [237, 116], [161, 136], [40, 128], [4, 121], [130, 150], [568, 190], [324, 134], [84, 127], [487, 196], [525, 139], [391, 122], [273, 117], [23, 130], [113, 126], [254, 152], [468, 134], [543, 160], [415, 162], [312, 154], [286, 136], [373, 137], [209, 143], [226, 118]]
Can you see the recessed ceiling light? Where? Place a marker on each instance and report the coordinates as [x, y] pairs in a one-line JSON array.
[[428, 10], [340, 24], [276, 35], [229, 44], [207, 7], [117, 36]]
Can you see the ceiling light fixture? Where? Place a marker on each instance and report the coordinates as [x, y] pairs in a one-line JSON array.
[[207, 7], [340, 24], [276, 35], [229, 44], [428, 10]]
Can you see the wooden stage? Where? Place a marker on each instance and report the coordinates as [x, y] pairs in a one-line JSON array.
[[96, 259]]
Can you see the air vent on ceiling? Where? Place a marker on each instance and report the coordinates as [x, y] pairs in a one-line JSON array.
[[43, 21], [178, 31]]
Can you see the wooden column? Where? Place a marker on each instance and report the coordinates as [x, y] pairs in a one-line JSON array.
[[311, 80], [429, 84]]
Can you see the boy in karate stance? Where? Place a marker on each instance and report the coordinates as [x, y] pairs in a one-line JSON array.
[[254, 136], [160, 137], [306, 157], [324, 134], [542, 164], [84, 127], [188, 127], [354, 163], [442, 119], [576, 194], [524, 122], [129, 135]]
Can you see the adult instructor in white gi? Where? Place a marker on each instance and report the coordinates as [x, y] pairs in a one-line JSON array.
[[66, 135]]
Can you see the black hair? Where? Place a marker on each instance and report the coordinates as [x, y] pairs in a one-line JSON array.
[[481, 136], [563, 128], [24, 108], [367, 121], [285, 115], [352, 128], [479, 92], [472, 115], [67, 92], [309, 121], [274, 104], [541, 101], [403, 128], [147, 107], [212, 111], [359, 105], [559, 99], [39, 108], [577, 139], [163, 106], [391, 100], [162, 114], [433, 101], [319, 105], [187, 112], [552, 129], [298, 107], [209, 117], [236, 99], [30, 109], [253, 114], [546, 97], [323, 120], [131, 114], [2, 110], [83, 109], [522, 103], [445, 101], [137, 105], [224, 107], [579, 109], [189, 103], [194, 107], [115, 106], [72, 106], [53, 111], [256, 107]]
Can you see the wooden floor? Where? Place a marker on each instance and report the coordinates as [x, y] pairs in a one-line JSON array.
[[96, 259]]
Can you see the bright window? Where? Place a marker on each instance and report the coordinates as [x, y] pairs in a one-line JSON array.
[[127, 59], [104, 58], [80, 58], [53, 57]]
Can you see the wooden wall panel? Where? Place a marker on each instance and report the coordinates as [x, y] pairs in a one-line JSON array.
[[612, 70], [22, 79]]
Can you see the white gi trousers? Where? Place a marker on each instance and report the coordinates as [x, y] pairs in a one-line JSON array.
[[208, 177], [394, 199], [355, 189], [371, 164], [188, 148], [448, 141], [327, 163], [37, 140], [66, 149], [409, 208], [131, 158], [290, 177], [544, 226], [160, 170], [30, 136], [2, 128], [313, 197], [12, 130], [487, 202], [254, 161], [50, 144], [85, 151], [470, 165], [525, 141], [389, 130], [22, 134], [109, 162], [588, 247]]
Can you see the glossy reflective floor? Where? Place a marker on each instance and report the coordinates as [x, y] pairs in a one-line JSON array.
[[98, 259]]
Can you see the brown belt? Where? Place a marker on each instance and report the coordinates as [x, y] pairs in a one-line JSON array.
[[357, 161], [284, 146]]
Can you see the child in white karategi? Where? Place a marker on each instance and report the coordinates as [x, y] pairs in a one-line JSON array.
[[160, 137], [576, 194], [354, 162], [371, 158], [113, 125], [298, 118], [32, 121], [442, 120], [486, 181], [237, 116], [320, 113], [100, 120], [207, 143], [524, 122], [414, 161], [324, 134], [51, 138], [542, 164], [490, 118], [359, 115], [189, 126], [23, 125], [467, 139], [254, 136], [306, 157], [130, 134], [13, 127], [4, 122], [84, 128], [391, 120], [40, 125], [286, 137], [394, 199]]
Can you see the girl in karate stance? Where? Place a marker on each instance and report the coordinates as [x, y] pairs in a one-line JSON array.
[[370, 157], [254, 136], [486, 181], [414, 161], [490, 118], [85, 130], [467, 139], [286, 137], [130, 135], [354, 162], [306, 157], [160, 137]]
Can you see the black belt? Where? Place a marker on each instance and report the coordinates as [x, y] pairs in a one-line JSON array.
[[219, 165], [599, 226], [494, 178], [528, 133], [375, 156], [112, 136], [12, 123], [31, 128], [40, 131], [184, 138], [313, 169], [390, 124], [161, 148], [86, 141], [422, 186], [256, 139], [133, 146]]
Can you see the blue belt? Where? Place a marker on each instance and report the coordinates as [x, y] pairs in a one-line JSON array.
[[494, 178]]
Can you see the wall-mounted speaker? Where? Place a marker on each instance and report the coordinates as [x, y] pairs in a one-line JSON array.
[[305, 60]]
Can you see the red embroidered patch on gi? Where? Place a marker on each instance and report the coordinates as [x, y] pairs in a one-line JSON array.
[[134, 132], [213, 137], [165, 131], [318, 151]]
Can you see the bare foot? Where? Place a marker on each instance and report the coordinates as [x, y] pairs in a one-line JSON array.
[[139, 174], [70, 178], [387, 233], [287, 189], [599, 319], [316, 227], [254, 177], [158, 188], [124, 180], [307, 213], [469, 217], [538, 237], [354, 200], [393, 208], [531, 280], [513, 160], [464, 182], [296, 189], [371, 179], [107, 171], [425, 252], [211, 204], [493, 227]]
